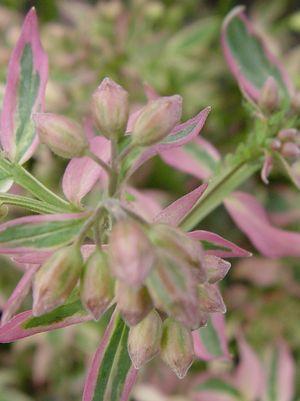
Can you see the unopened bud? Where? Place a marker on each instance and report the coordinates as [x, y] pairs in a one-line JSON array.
[[56, 279], [177, 349], [179, 245], [144, 339], [210, 299], [269, 95], [216, 268], [62, 135], [288, 134], [97, 284], [290, 149], [275, 144], [131, 254], [156, 120], [134, 304], [295, 102], [110, 109]]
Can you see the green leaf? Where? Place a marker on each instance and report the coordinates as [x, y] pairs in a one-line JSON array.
[[218, 386]]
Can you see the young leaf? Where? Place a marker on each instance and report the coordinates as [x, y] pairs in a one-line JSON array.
[[25, 325], [111, 375], [216, 245], [24, 93], [249, 59], [175, 213], [249, 215], [197, 158], [31, 233], [210, 342], [280, 374]]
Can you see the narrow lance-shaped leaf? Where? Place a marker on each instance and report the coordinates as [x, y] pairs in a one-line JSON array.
[[19, 294], [249, 215], [197, 158], [25, 325], [111, 375], [249, 59], [210, 342], [30, 233], [175, 213], [24, 93], [280, 374]]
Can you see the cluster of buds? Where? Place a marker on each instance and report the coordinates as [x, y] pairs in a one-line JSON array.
[[287, 143], [161, 280], [110, 113]]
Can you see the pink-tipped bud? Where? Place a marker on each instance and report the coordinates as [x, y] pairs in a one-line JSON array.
[[288, 134], [269, 95], [56, 279], [156, 120], [290, 149], [276, 144], [61, 134], [216, 268], [179, 245], [210, 299], [131, 255], [97, 285], [110, 109], [144, 339], [177, 349], [134, 304]]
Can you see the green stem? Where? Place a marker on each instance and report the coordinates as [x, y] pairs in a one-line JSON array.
[[101, 163], [23, 178], [113, 182], [219, 187]]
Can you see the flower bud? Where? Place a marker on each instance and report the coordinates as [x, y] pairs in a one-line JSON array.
[[269, 95], [210, 299], [110, 109], [288, 134], [179, 245], [156, 120], [97, 284], [131, 255], [56, 279], [134, 304], [177, 349], [290, 149], [295, 102], [61, 134], [216, 268], [144, 339], [275, 144]]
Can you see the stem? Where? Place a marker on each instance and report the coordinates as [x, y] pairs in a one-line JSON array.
[[113, 182], [22, 177], [88, 225], [101, 163], [219, 187]]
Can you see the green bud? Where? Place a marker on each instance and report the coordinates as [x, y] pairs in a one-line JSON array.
[[56, 279], [177, 349], [134, 304], [97, 284], [144, 339]]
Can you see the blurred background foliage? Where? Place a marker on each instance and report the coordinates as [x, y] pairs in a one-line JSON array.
[[174, 46]]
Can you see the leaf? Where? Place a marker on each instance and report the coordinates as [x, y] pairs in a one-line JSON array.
[[212, 242], [24, 93], [249, 376], [210, 342], [18, 295], [25, 325], [111, 375], [216, 389], [248, 57], [175, 213], [31, 233], [280, 374], [251, 218], [197, 158], [82, 173]]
